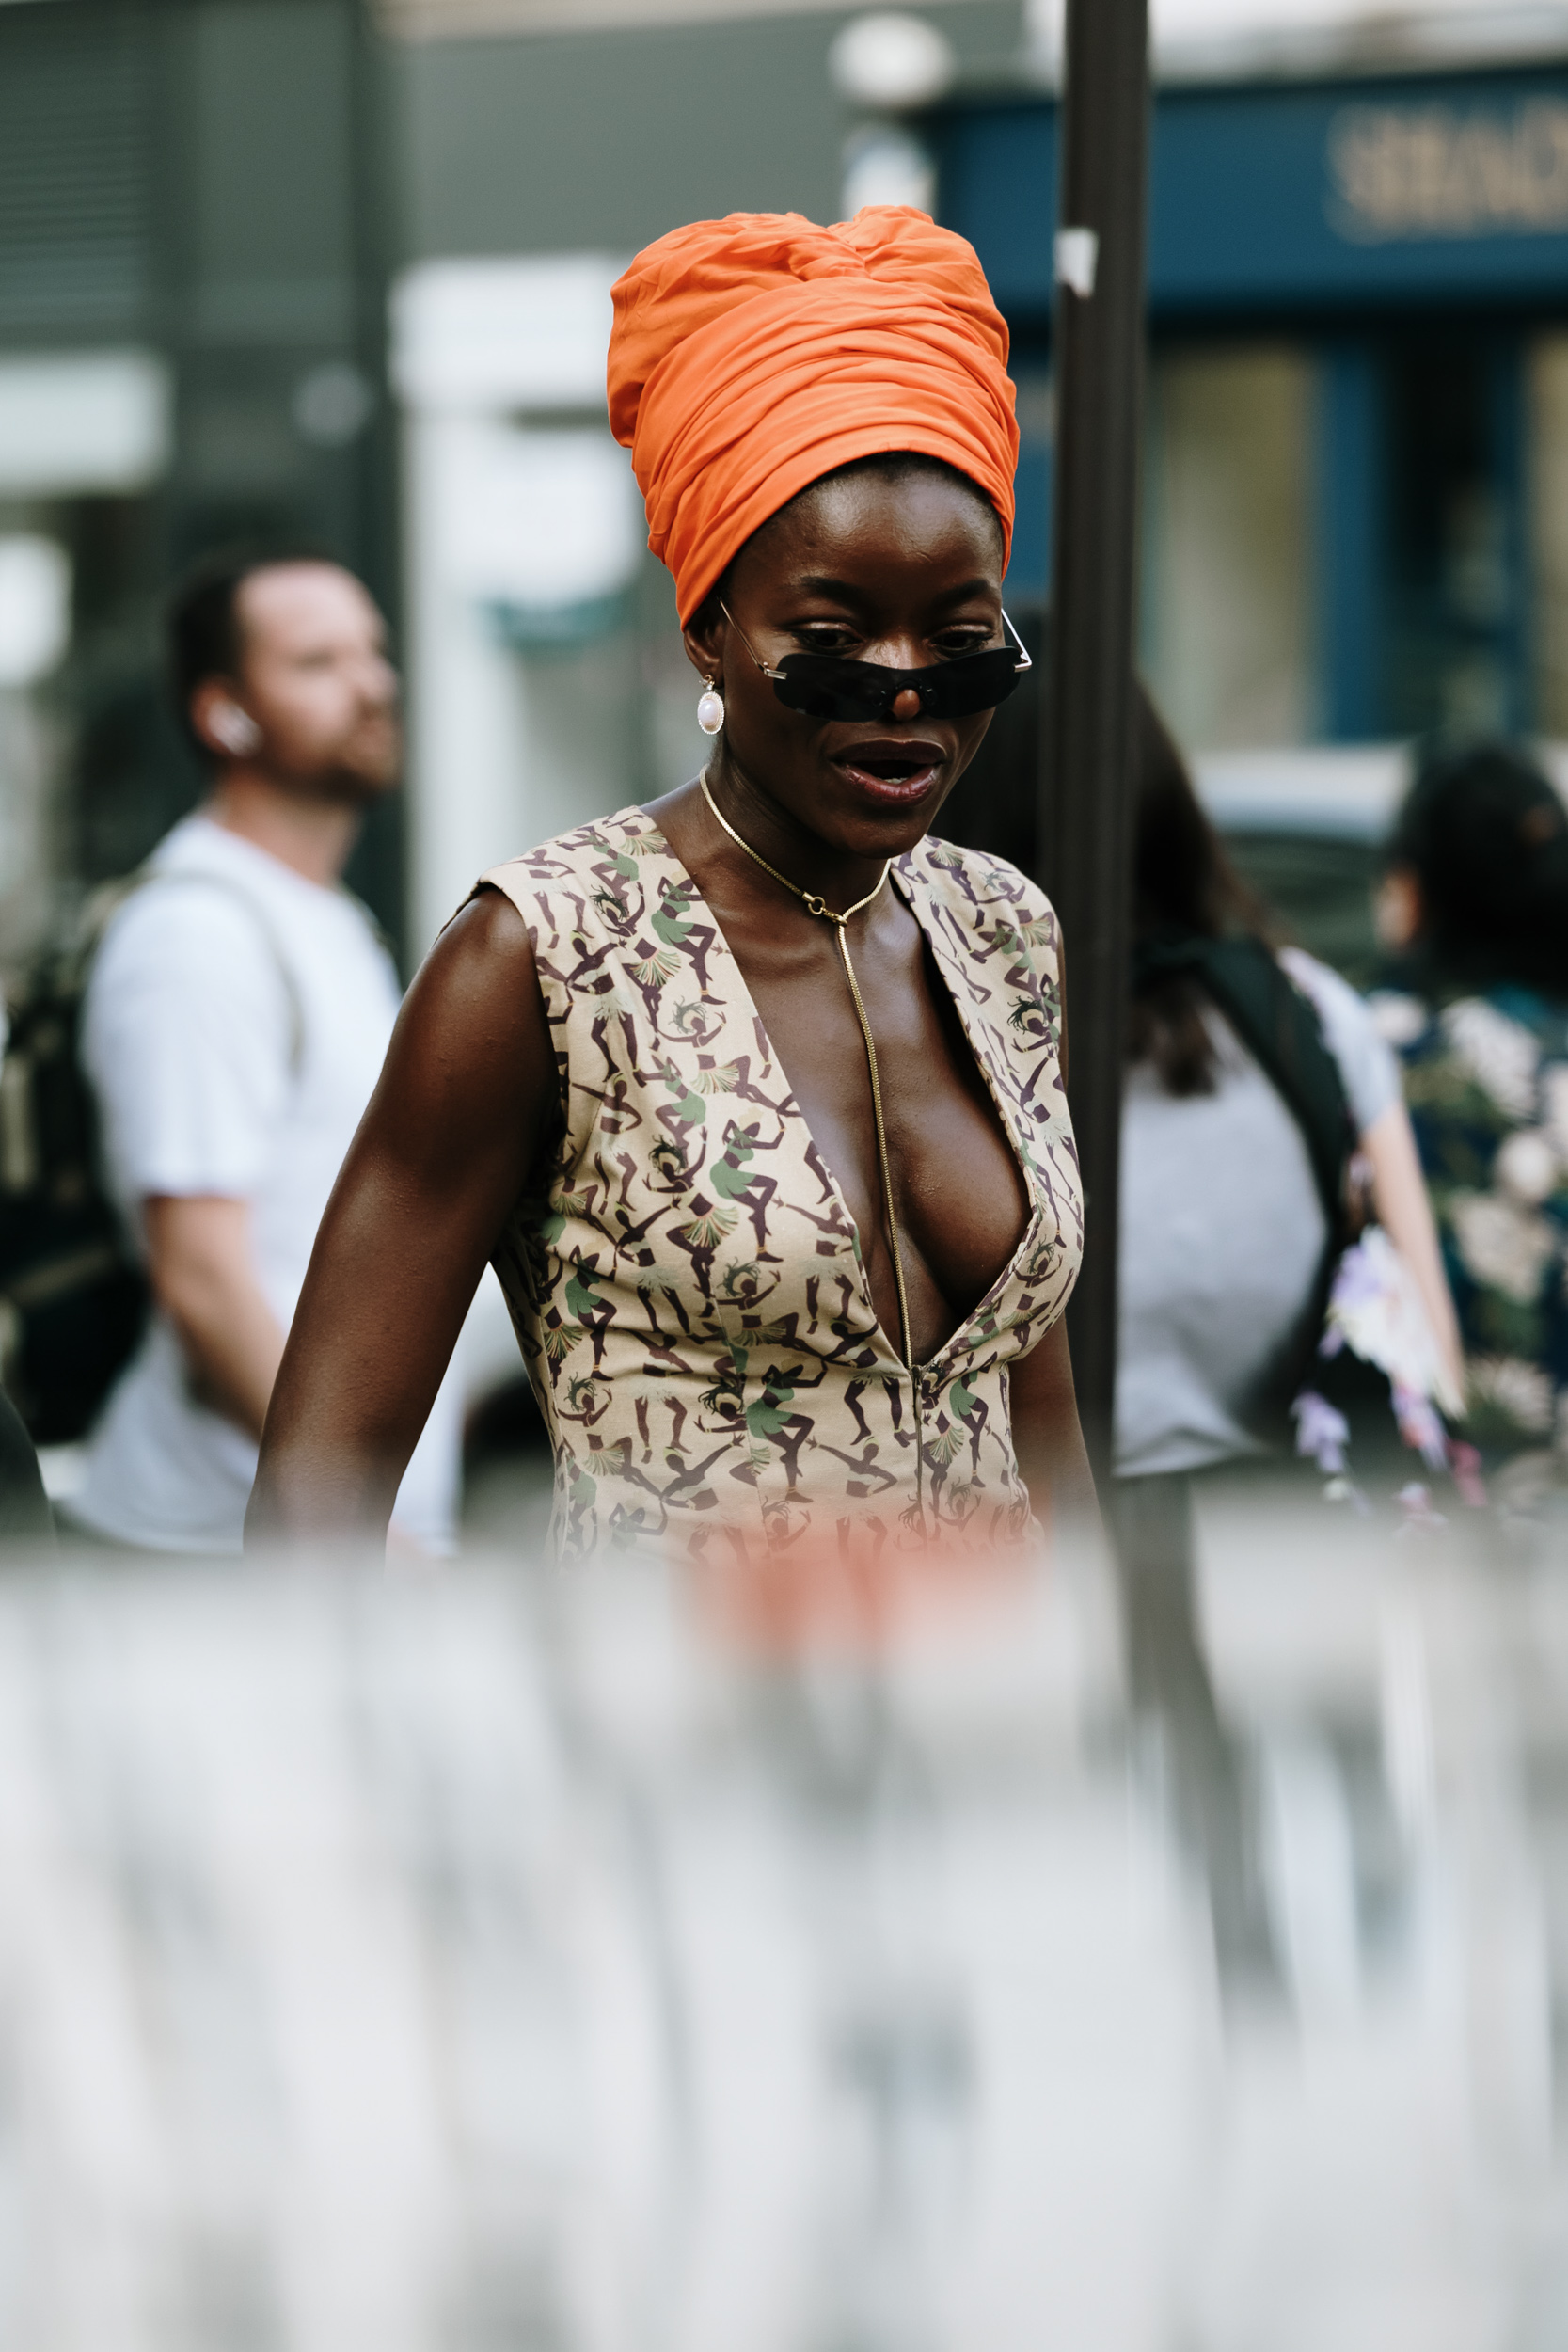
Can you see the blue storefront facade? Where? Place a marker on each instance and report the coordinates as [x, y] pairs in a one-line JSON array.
[[1356, 469]]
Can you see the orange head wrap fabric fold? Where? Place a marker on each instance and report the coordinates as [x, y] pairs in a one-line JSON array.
[[753, 354]]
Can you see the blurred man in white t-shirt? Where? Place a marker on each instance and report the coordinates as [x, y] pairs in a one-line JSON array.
[[236, 1019]]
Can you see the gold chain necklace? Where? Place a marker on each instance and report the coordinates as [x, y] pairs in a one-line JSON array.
[[814, 905]]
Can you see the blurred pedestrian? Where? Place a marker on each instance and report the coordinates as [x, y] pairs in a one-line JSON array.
[[1232, 1170], [754, 1096], [1253, 1077], [1474, 906], [236, 1018]]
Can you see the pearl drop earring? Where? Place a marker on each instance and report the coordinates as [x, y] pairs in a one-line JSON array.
[[710, 708]]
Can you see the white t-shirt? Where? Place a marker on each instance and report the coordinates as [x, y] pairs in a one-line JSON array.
[[1222, 1234], [236, 1020]]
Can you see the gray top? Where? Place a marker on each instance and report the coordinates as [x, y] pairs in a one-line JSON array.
[[1222, 1232]]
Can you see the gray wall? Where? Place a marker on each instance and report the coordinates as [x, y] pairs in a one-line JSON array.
[[601, 141]]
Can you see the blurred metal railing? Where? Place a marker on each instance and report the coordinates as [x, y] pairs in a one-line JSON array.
[[594, 1963]]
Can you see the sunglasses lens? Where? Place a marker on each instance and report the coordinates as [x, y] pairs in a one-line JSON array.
[[977, 682], [825, 686]]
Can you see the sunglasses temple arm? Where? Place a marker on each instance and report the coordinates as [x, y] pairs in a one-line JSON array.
[[1026, 663], [752, 649]]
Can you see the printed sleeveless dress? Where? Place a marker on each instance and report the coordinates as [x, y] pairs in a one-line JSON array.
[[688, 1292]]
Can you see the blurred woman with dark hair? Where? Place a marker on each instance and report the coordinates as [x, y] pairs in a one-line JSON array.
[[1255, 1076], [1474, 904]]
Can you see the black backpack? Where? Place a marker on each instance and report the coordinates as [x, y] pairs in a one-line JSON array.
[[74, 1301], [74, 1298]]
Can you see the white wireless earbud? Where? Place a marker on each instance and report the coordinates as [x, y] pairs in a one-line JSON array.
[[234, 728]]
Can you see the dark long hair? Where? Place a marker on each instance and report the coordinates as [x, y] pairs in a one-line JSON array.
[[1182, 882], [1486, 838]]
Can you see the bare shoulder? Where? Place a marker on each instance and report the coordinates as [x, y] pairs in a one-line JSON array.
[[472, 1053], [482, 967]]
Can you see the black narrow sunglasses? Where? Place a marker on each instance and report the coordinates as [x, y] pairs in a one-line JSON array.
[[831, 686]]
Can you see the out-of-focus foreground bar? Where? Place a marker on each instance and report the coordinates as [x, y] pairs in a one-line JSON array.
[[592, 1961]]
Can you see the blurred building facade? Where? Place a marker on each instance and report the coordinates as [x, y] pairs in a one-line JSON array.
[[339, 269], [1357, 432], [1358, 395]]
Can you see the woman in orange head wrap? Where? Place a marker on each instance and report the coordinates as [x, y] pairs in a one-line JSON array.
[[754, 1096]]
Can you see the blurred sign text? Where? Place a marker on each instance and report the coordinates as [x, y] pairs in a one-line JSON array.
[[1433, 171]]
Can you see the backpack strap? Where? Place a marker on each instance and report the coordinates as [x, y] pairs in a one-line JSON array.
[[1279, 1028], [105, 904]]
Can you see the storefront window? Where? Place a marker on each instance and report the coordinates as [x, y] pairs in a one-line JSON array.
[[1453, 441], [1547, 398], [1228, 633]]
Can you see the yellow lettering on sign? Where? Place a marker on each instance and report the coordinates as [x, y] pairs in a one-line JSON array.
[[1433, 172]]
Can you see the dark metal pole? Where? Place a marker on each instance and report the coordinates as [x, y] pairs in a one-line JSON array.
[[1086, 770]]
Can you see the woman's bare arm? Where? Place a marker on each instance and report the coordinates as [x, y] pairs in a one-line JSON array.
[[1047, 1437], [467, 1102]]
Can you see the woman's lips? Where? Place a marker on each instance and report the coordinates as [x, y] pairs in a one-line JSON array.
[[892, 772]]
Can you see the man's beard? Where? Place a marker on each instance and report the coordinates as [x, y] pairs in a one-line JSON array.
[[350, 782], [346, 786]]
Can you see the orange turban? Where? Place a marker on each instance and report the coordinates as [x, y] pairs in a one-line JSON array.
[[753, 354]]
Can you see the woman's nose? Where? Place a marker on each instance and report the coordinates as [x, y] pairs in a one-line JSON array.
[[906, 704]]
